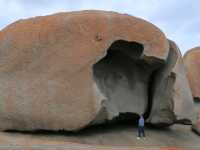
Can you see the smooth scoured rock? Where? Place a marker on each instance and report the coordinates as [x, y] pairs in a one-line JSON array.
[[172, 99], [47, 73]]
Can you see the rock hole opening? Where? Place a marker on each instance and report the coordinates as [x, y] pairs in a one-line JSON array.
[[125, 78]]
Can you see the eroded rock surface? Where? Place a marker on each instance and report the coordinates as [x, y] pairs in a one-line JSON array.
[[172, 99], [46, 78], [182, 96], [124, 79], [70, 70]]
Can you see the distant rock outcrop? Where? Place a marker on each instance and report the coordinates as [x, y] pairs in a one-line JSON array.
[[70, 70], [191, 62]]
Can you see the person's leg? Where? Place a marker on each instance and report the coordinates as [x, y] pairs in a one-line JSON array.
[[143, 132], [139, 131]]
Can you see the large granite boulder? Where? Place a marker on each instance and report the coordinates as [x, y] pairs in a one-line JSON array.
[[70, 70]]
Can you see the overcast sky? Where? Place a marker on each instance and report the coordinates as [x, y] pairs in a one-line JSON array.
[[178, 19]]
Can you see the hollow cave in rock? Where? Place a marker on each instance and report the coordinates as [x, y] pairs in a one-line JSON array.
[[126, 78]]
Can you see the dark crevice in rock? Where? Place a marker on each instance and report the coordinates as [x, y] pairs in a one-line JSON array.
[[125, 78], [196, 99], [183, 122], [150, 94]]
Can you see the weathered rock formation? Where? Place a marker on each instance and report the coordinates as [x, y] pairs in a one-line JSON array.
[[70, 70], [191, 62], [182, 96], [172, 96]]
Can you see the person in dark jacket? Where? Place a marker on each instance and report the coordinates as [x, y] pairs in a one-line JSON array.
[[141, 124]]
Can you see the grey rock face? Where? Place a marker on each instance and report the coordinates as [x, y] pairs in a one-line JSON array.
[[124, 77], [172, 99]]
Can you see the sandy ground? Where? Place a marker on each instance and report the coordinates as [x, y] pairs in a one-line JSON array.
[[120, 135]]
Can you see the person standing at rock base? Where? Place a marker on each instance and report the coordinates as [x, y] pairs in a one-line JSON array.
[[141, 124]]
